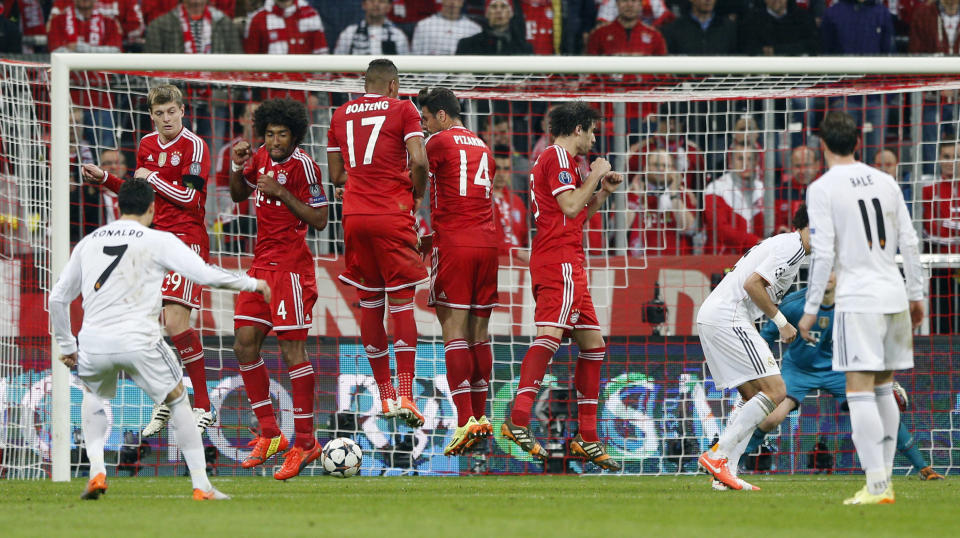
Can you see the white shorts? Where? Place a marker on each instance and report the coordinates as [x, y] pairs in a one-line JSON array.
[[864, 342], [736, 355], [156, 371]]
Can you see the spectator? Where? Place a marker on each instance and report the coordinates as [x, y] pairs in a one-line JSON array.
[[670, 136], [126, 12], [234, 219], [407, 13], [857, 27], [113, 162], [652, 12], [11, 37], [500, 136], [285, 27], [660, 210], [439, 33], [780, 28], [336, 16], [805, 167], [30, 15], [933, 30], [577, 18], [887, 161], [80, 27], [746, 135], [193, 27], [941, 230], [510, 211], [497, 37], [701, 31], [153, 9], [627, 35], [733, 206], [374, 34]]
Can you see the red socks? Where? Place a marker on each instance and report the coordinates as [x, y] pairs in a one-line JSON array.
[[191, 355], [374, 338], [531, 374], [480, 378], [404, 345], [301, 381], [587, 382], [459, 368], [257, 383]]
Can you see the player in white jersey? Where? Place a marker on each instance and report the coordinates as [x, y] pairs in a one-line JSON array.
[[736, 353], [118, 268], [858, 221]]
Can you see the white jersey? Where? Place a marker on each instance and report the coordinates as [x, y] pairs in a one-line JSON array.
[[119, 269], [776, 259], [858, 221]]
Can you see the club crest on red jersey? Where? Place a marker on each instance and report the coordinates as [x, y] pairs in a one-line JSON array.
[[282, 178], [175, 158], [574, 316]]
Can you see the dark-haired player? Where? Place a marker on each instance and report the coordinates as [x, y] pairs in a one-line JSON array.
[[736, 353], [289, 198], [463, 283], [861, 222], [562, 201], [371, 142], [176, 162]]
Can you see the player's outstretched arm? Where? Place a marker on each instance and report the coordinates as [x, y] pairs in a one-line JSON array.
[[239, 155], [177, 256], [177, 195], [63, 293], [755, 286]]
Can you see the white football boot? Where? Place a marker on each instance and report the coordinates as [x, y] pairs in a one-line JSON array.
[[204, 418], [158, 420]]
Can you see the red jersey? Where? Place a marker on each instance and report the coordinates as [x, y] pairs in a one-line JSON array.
[[941, 215], [614, 39], [654, 231], [281, 235], [538, 15], [295, 30], [97, 30], [461, 211], [126, 12], [511, 219], [371, 133], [559, 238], [180, 209]]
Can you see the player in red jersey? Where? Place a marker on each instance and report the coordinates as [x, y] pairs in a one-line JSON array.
[[176, 162], [463, 282], [289, 198], [370, 141], [562, 202]]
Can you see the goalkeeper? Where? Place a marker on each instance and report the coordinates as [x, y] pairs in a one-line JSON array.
[[807, 367]]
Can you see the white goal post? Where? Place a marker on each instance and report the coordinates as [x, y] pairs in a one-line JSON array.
[[63, 64]]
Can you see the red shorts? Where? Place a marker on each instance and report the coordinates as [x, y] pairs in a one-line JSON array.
[[177, 289], [381, 253], [563, 297], [289, 314], [464, 278]]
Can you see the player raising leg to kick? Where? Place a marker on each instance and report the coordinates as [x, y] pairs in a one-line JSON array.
[[370, 141], [289, 198], [463, 284], [118, 269], [562, 201], [735, 353]]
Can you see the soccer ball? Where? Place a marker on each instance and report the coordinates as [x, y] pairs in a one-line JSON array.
[[341, 458]]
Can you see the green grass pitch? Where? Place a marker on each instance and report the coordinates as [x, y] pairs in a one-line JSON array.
[[541, 506]]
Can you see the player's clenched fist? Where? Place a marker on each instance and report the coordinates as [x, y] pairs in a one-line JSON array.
[[241, 152], [269, 186], [612, 181], [92, 173], [600, 166]]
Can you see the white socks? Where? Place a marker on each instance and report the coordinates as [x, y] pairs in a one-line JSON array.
[[868, 435], [189, 441], [890, 418], [741, 427], [94, 426]]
